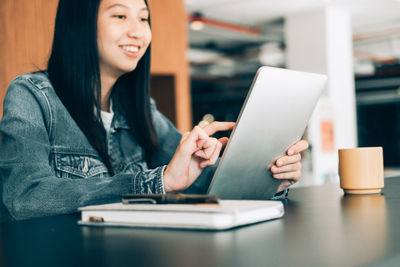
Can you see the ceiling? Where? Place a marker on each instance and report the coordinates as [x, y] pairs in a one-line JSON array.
[[367, 16], [255, 12]]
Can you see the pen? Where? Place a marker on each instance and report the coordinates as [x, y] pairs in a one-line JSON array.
[[168, 198]]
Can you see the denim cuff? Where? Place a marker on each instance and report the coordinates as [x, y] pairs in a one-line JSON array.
[[281, 195], [149, 181]]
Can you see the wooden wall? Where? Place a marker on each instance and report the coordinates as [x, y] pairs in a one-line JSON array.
[[170, 43], [26, 37]]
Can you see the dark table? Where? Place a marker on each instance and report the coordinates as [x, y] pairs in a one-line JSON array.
[[321, 227]]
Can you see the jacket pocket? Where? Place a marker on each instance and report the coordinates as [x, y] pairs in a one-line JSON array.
[[79, 166]]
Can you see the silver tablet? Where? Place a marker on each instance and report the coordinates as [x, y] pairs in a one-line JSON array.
[[273, 117]]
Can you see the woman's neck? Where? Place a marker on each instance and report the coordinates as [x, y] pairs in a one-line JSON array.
[[107, 83]]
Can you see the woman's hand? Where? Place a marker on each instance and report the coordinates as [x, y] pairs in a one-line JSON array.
[[196, 151], [288, 168]]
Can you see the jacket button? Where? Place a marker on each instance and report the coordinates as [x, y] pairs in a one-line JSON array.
[[85, 166], [121, 166]]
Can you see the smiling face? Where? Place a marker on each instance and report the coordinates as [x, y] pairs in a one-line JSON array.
[[123, 35]]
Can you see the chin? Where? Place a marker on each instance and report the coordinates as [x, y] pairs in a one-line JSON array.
[[131, 68], [127, 69]]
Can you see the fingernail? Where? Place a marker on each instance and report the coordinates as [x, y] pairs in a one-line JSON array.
[[279, 163], [290, 152]]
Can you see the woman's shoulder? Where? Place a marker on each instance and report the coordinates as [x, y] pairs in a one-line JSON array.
[[28, 91], [38, 80], [31, 98], [34, 85]]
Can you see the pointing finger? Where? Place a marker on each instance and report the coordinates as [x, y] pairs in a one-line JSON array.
[[217, 126]]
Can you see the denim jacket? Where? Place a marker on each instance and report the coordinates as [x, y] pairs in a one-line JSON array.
[[48, 167]]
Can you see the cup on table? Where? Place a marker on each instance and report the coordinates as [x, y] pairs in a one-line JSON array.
[[361, 170]]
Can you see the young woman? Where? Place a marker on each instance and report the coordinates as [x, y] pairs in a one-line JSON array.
[[86, 131]]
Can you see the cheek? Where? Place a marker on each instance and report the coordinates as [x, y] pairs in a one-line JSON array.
[[148, 37], [106, 35], [101, 36]]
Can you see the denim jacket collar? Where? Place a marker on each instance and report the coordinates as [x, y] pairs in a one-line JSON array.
[[119, 121]]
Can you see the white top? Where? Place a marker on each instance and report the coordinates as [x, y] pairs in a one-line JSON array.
[[107, 117]]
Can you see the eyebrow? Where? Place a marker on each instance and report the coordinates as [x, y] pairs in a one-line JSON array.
[[115, 5], [124, 6]]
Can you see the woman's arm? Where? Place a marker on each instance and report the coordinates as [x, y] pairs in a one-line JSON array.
[[29, 183]]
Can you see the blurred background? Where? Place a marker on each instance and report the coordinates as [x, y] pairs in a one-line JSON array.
[[205, 54], [355, 42]]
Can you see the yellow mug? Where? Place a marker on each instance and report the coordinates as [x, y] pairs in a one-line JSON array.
[[361, 170]]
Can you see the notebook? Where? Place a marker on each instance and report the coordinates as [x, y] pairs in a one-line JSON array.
[[225, 215]]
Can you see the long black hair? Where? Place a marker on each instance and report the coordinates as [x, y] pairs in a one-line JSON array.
[[74, 72]]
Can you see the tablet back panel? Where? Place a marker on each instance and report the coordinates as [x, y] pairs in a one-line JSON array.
[[273, 117]]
